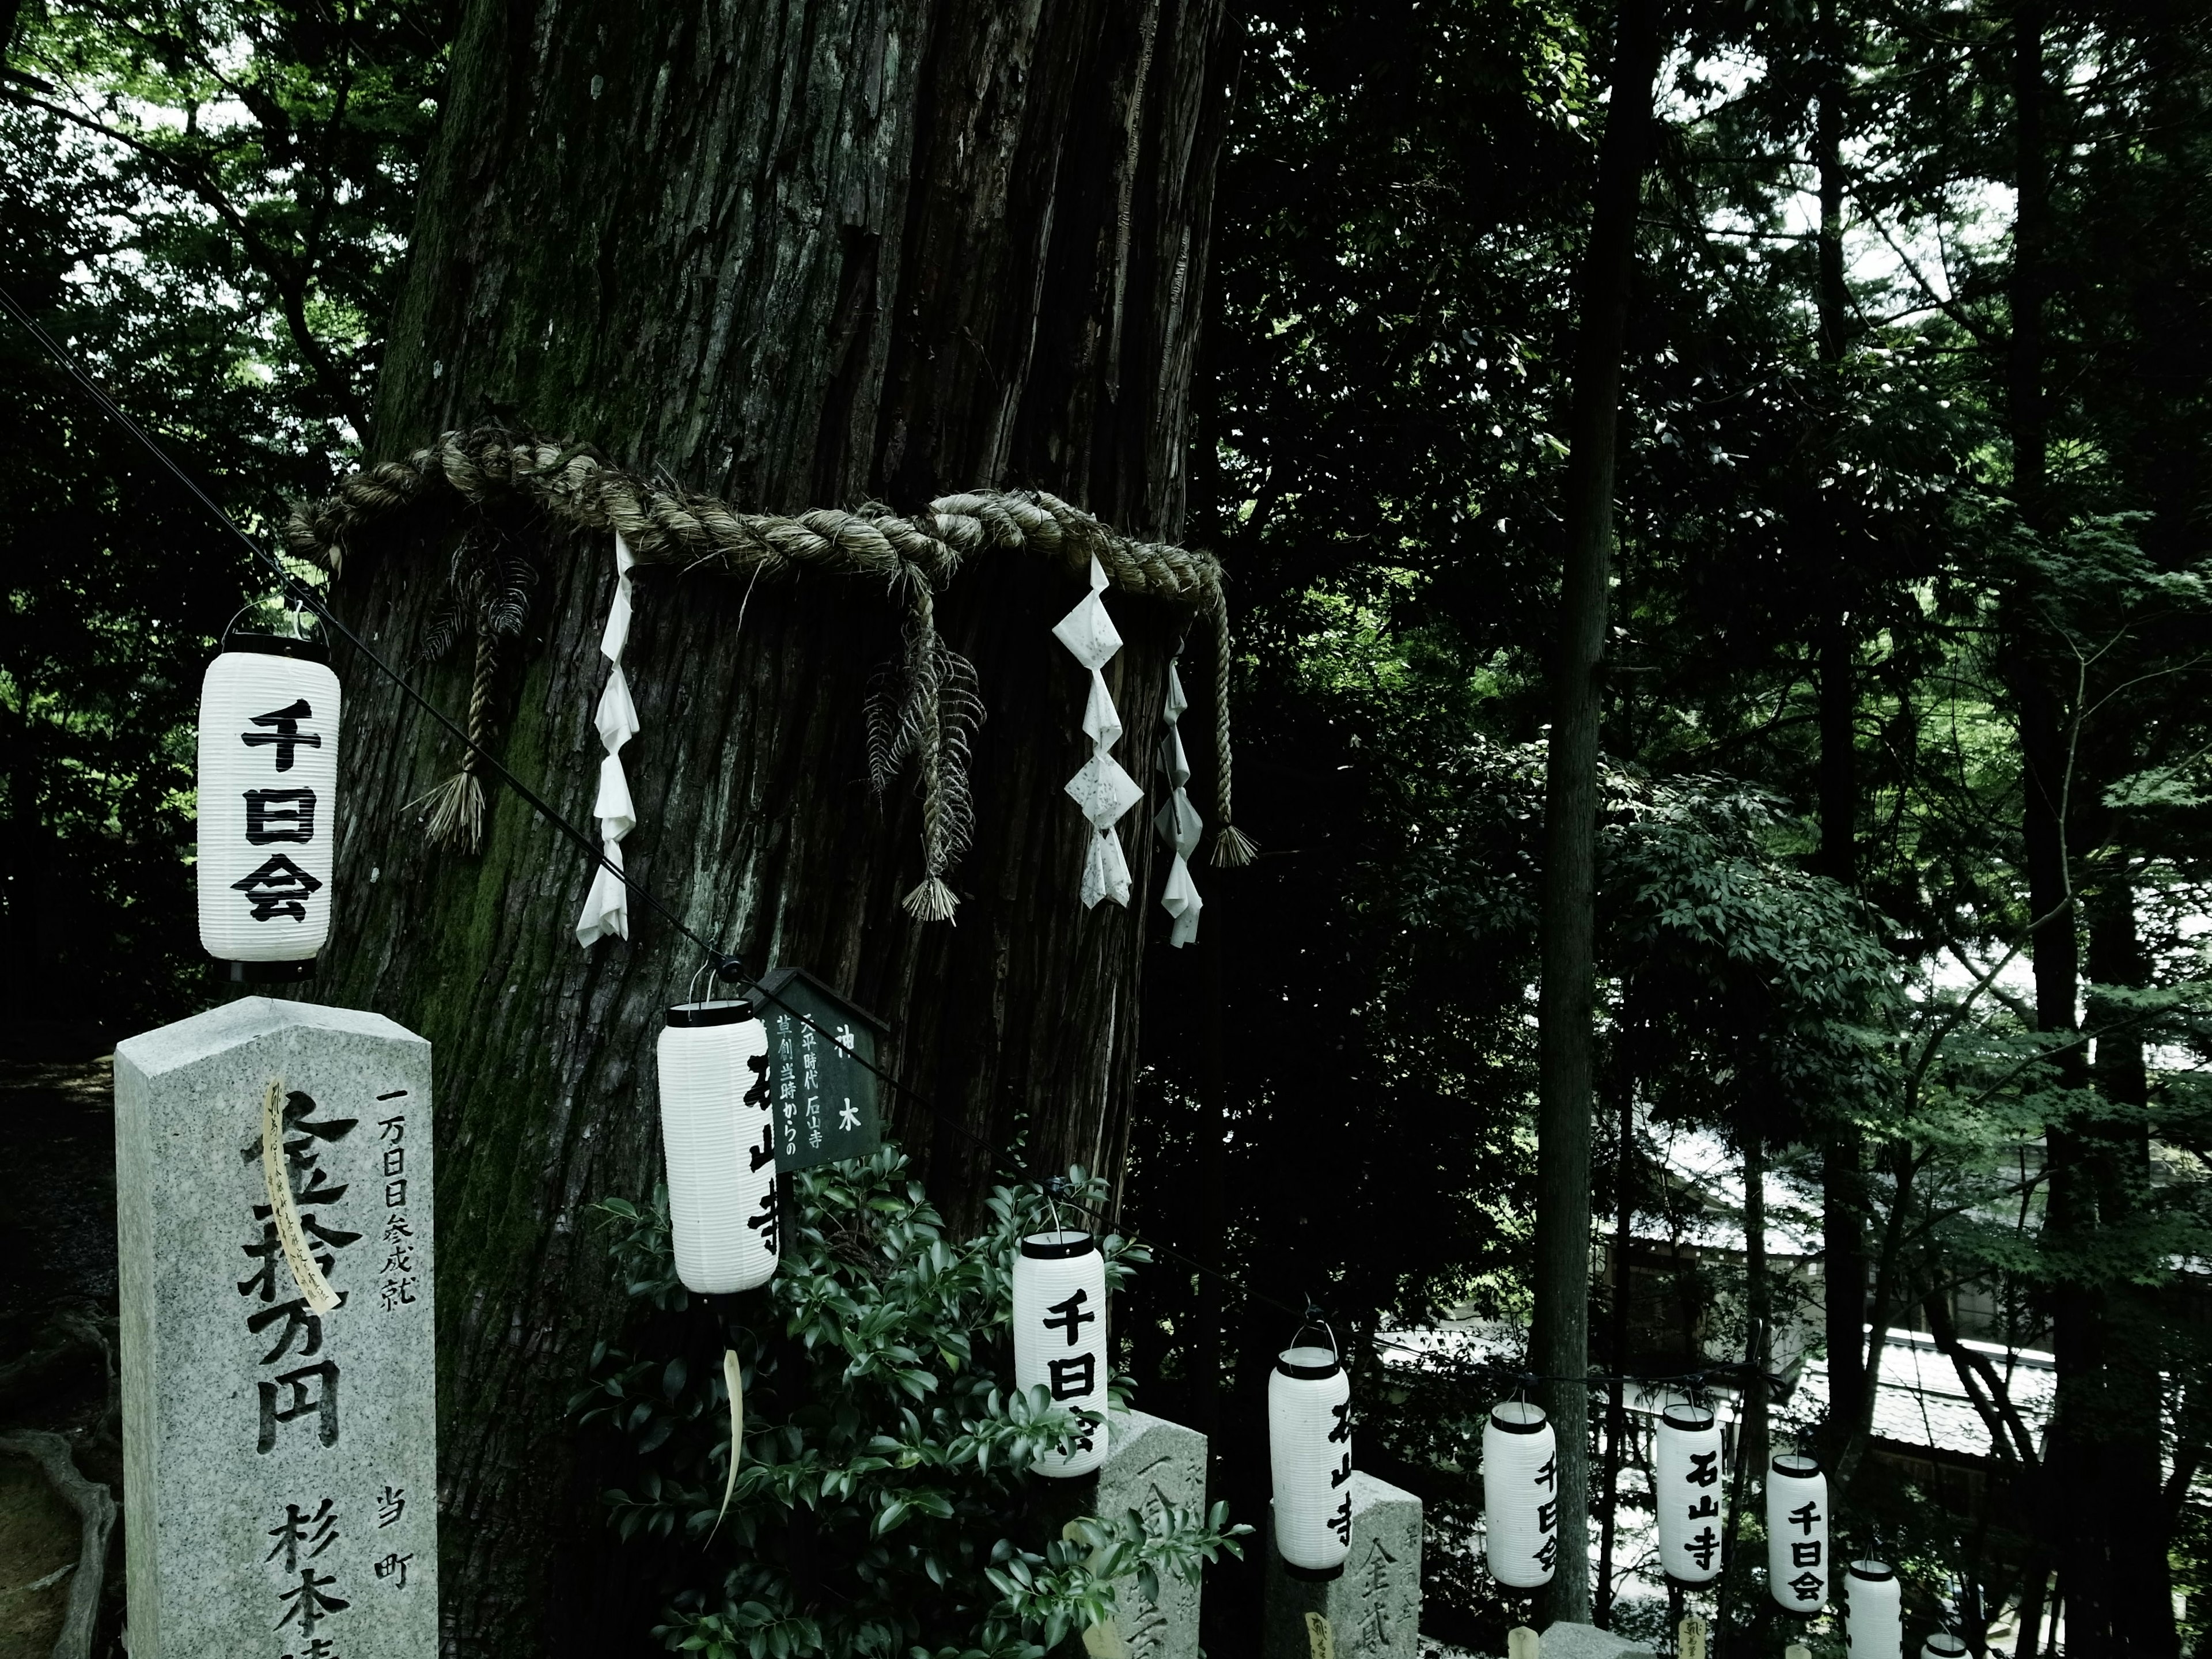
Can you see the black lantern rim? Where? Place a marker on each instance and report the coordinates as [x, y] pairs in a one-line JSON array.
[[264, 973], [1947, 1644], [1696, 1418], [1058, 1247], [1313, 1575], [1797, 1465], [1873, 1572], [1520, 1423], [735, 1011], [1690, 1583], [1322, 1364]]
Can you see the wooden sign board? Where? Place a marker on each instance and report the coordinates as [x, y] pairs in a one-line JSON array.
[[820, 1052]]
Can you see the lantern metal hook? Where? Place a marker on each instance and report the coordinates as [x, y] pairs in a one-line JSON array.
[[1313, 1318], [1056, 1187]]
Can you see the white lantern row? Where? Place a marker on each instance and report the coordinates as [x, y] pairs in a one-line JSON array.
[[1519, 1495], [1874, 1612], [1059, 1341], [1309, 1454], [1798, 1534], [268, 805], [1688, 1483], [718, 1134]]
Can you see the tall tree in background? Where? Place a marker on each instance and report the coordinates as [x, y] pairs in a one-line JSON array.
[[792, 260], [1567, 1002]]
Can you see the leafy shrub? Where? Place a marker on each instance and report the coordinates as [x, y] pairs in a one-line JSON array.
[[885, 1475]]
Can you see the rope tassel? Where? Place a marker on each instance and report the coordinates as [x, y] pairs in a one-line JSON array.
[[1233, 849], [456, 807]]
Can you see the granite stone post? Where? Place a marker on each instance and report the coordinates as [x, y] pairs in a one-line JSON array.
[[1150, 1464], [279, 1387], [1567, 1641], [1372, 1610]]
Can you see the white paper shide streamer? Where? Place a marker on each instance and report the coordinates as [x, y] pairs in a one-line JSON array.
[[1798, 1534], [1519, 1495], [1178, 822], [1101, 788], [606, 907], [1309, 1452], [268, 802], [718, 1134], [1060, 1340], [1686, 1483], [1874, 1612]]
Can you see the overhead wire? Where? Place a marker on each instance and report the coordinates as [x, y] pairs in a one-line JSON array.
[[727, 964]]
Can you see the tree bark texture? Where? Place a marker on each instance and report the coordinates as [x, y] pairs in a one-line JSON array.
[[1566, 1006], [793, 255]]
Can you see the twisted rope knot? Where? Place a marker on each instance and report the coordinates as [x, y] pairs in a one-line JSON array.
[[573, 484]]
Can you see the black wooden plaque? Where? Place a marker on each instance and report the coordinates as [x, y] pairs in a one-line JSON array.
[[820, 1048]]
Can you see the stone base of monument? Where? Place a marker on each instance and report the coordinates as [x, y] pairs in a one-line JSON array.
[[1372, 1610], [1567, 1641]]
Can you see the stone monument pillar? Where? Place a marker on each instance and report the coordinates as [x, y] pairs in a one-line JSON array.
[[279, 1386], [1372, 1609], [1150, 1464]]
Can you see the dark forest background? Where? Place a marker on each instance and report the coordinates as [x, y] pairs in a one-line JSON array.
[[1906, 758]]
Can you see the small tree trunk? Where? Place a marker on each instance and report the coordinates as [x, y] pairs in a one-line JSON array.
[[2070, 1210], [1843, 1186], [2133, 1521], [794, 256], [1567, 999]]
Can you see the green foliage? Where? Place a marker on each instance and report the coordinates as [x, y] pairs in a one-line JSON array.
[[887, 1449]]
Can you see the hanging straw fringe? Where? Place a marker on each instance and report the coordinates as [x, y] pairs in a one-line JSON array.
[[573, 484], [456, 806]]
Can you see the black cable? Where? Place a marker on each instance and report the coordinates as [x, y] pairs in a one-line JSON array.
[[727, 964]]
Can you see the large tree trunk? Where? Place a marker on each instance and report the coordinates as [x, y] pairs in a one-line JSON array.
[[1567, 1004], [793, 255]]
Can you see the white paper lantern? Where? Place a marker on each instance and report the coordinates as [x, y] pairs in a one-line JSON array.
[[1519, 1495], [1943, 1645], [1874, 1612], [1309, 1452], [1060, 1340], [718, 1134], [1688, 1483], [268, 805], [1798, 1534]]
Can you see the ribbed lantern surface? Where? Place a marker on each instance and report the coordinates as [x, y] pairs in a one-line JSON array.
[[718, 1135], [1874, 1612], [1519, 1495], [1060, 1340], [268, 801], [1309, 1450], [1798, 1534], [1686, 1481]]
